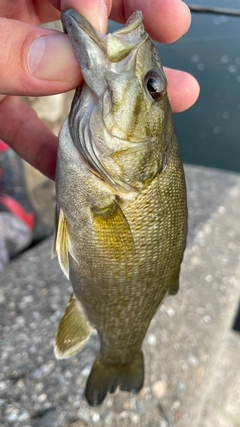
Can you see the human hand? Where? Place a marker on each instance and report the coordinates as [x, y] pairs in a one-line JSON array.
[[38, 61]]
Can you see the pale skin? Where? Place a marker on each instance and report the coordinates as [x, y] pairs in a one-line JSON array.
[[24, 71]]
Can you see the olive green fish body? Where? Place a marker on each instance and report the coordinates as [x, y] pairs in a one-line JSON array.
[[121, 215]]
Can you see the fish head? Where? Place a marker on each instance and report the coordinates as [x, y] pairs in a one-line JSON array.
[[123, 69], [121, 117]]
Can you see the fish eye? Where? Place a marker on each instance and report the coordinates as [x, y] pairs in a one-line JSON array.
[[154, 85]]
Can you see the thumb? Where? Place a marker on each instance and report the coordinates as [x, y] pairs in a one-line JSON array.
[[36, 61]]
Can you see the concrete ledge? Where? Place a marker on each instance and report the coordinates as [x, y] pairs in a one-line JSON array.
[[191, 354]]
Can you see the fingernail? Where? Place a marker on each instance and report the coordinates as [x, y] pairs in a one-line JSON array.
[[103, 16], [52, 58], [189, 15]]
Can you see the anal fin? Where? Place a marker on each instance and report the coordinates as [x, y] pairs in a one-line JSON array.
[[73, 330]]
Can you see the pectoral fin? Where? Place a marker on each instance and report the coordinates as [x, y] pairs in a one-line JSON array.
[[62, 243], [73, 330], [111, 228]]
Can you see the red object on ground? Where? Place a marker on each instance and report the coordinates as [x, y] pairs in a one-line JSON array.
[[3, 146], [17, 210]]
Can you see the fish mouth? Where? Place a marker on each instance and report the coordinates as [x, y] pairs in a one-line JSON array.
[[92, 48], [125, 38], [71, 16], [73, 22]]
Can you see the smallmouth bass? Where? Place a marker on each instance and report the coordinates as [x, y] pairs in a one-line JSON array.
[[121, 215]]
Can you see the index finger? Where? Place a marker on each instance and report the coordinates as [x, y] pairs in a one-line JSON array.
[[164, 20], [95, 11]]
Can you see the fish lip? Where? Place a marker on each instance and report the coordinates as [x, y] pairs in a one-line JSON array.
[[64, 19], [68, 18]]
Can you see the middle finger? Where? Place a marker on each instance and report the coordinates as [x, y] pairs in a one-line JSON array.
[[164, 20]]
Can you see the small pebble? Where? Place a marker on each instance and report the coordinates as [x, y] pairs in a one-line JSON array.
[[181, 386], [192, 360], [126, 405], [109, 403], [195, 260], [42, 397], [221, 209], [11, 418], [109, 417], [96, 417], [20, 320], [123, 414], [83, 414], [159, 389], [37, 374], [170, 311], [85, 372], [207, 319], [152, 340], [23, 416], [2, 298], [3, 386], [176, 405], [144, 391], [135, 418]]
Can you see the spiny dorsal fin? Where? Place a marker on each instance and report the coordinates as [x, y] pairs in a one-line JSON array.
[[73, 330], [62, 243]]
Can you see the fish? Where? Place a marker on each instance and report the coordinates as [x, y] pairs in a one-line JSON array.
[[121, 211]]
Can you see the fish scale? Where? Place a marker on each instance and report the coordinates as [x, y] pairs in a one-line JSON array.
[[121, 216]]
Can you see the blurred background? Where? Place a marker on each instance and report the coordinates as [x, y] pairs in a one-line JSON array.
[[209, 132]]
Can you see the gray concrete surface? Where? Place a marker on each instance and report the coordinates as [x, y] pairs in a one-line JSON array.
[[191, 354]]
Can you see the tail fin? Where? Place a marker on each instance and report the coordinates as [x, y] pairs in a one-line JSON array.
[[106, 378]]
